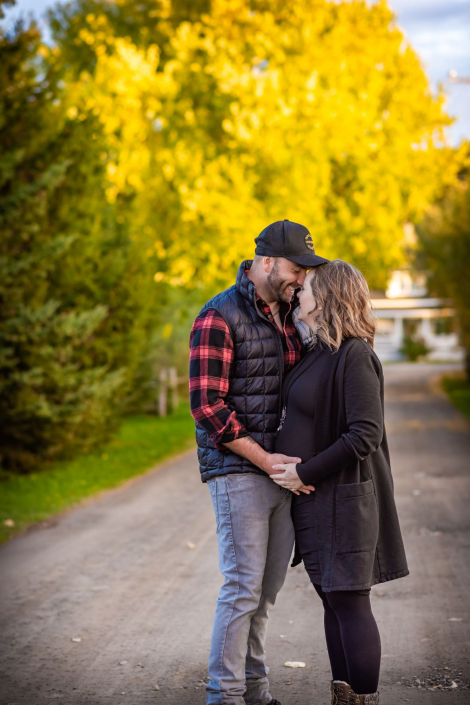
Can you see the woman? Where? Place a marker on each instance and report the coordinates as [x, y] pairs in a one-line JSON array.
[[347, 530]]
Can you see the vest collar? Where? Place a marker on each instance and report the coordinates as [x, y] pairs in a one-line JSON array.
[[244, 285]]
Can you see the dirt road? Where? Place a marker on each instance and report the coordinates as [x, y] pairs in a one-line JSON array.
[[134, 576]]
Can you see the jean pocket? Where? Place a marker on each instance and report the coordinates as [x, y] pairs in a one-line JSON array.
[[212, 484], [357, 518]]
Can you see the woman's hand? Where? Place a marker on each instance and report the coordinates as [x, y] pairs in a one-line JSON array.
[[273, 460], [286, 476]]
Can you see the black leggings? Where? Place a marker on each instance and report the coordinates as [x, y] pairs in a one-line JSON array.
[[352, 636], [352, 639]]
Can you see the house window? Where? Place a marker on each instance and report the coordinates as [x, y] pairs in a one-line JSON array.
[[444, 325], [411, 327]]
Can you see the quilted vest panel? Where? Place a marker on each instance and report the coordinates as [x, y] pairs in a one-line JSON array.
[[256, 378]]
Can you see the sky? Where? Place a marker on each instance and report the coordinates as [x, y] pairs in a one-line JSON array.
[[438, 30]]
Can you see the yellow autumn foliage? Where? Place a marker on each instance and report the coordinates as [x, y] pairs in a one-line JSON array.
[[314, 111]]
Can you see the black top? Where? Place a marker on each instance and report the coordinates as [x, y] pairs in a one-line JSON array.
[[299, 395]]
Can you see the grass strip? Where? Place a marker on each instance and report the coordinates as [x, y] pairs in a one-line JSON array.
[[457, 388], [141, 442]]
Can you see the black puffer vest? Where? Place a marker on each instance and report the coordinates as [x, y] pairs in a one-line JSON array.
[[256, 379]]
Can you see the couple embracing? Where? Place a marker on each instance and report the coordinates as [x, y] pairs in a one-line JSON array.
[[287, 395]]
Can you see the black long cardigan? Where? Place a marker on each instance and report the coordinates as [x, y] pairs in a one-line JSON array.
[[359, 537]]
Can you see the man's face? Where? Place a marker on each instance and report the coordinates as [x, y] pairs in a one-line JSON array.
[[284, 278]]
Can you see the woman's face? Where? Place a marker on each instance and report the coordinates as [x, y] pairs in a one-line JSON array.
[[308, 310]]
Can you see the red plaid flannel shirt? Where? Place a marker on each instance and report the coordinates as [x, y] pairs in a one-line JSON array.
[[210, 361]]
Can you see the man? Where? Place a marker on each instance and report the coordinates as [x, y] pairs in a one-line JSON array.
[[243, 343]]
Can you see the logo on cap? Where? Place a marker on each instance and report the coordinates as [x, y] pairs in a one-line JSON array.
[[309, 241]]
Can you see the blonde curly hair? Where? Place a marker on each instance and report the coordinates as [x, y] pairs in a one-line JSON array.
[[342, 292]]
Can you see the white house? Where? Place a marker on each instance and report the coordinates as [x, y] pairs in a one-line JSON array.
[[406, 310]]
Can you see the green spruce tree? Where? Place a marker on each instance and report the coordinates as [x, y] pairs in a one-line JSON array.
[[76, 293], [444, 238]]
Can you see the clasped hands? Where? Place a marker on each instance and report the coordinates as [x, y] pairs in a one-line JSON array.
[[284, 473]]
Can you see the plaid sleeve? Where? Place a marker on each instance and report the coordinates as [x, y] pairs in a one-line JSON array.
[[210, 360]]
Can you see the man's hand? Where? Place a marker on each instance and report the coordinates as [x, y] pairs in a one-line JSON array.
[[275, 459], [250, 449], [289, 478]]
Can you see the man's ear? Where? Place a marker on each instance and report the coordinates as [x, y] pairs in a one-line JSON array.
[[267, 264]]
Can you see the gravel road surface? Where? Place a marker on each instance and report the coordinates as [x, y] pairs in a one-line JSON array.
[[112, 602]]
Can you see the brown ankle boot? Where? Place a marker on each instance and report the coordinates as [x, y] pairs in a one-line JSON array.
[[369, 699], [340, 693]]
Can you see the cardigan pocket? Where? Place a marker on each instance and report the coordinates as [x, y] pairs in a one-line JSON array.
[[357, 518]]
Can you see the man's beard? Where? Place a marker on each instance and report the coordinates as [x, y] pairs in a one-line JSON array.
[[280, 290]]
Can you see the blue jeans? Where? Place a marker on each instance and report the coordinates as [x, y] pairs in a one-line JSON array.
[[255, 538]]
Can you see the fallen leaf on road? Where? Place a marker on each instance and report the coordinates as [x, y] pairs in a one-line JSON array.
[[428, 532], [122, 663], [191, 545], [294, 664], [9, 522], [455, 619], [75, 638], [453, 685]]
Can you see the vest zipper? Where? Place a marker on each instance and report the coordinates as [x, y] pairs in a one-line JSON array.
[[283, 418]]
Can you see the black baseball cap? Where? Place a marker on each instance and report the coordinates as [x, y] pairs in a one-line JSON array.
[[290, 240]]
